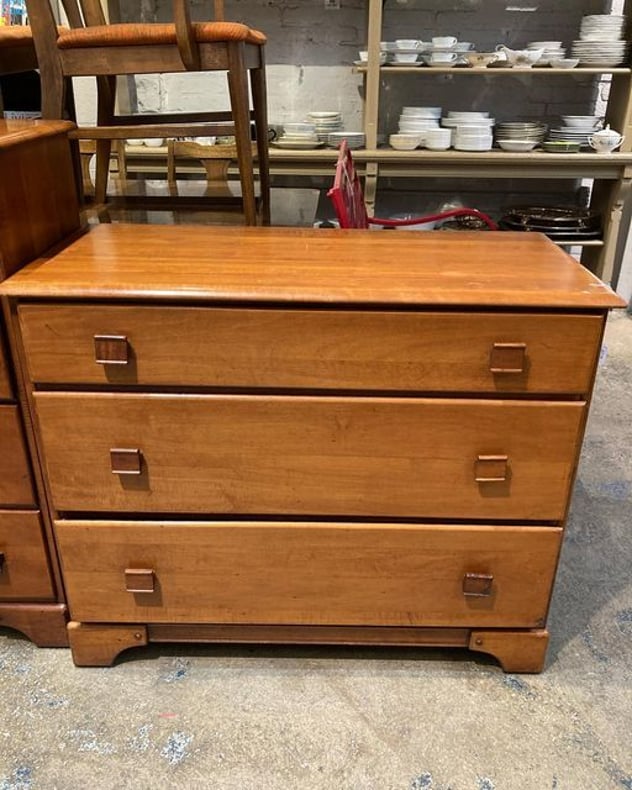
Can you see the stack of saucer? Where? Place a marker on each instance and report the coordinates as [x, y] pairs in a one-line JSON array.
[[521, 130], [299, 136], [551, 50], [325, 123], [354, 140], [577, 129], [601, 41]]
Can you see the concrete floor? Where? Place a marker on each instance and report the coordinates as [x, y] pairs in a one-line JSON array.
[[350, 719]]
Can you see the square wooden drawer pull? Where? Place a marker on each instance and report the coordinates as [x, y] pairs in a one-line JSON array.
[[477, 585], [491, 468], [111, 350], [139, 580], [508, 358], [126, 461]]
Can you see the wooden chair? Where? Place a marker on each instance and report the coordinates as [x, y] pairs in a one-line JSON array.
[[348, 201], [93, 48]]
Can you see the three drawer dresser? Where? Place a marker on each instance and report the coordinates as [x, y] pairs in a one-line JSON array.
[[296, 435]]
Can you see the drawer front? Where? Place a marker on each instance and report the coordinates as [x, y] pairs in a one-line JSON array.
[[24, 569], [5, 385], [316, 573], [15, 477], [410, 457], [317, 349]]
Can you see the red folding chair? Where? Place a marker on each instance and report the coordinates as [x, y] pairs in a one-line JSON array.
[[348, 201]]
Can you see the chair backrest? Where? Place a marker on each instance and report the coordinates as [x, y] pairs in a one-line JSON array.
[[346, 193]]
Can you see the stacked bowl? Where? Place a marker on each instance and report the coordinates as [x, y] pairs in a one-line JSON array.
[[471, 131], [601, 41], [418, 120], [325, 123]]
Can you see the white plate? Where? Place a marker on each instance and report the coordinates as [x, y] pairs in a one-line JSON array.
[[413, 64], [298, 146]]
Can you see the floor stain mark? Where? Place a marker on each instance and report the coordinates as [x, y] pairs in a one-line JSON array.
[[21, 779], [422, 782], [176, 748]]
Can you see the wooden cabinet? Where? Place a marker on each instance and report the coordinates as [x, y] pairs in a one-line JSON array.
[[248, 440], [38, 208]]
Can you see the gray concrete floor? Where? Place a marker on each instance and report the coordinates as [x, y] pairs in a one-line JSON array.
[[248, 718]]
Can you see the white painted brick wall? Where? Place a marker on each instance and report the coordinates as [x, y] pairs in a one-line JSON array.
[[310, 52]]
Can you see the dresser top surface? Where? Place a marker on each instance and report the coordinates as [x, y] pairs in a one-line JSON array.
[[176, 263], [17, 131]]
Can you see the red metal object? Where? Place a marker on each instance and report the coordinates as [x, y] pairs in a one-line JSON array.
[[348, 201]]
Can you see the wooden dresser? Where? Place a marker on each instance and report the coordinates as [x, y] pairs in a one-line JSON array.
[[288, 435], [38, 207]]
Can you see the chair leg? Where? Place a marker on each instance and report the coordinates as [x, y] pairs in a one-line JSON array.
[[260, 105], [238, 89], [106, 95], [53, 93]]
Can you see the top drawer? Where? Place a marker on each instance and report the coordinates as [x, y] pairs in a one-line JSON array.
[[315, 349]]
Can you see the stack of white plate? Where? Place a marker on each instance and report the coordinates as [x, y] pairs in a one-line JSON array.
[[602, 27], [471, 131], [354, 140], [600, 41], [551, 50], [576, 129], [325, 123], [521, 130], [416, 120]]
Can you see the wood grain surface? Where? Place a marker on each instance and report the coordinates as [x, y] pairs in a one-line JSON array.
[[388, 457], [317, 349], [24, 572], [295, 573], [15, 478], [319, 266]]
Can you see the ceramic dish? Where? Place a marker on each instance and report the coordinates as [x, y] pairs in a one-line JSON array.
[[561, 147], [298, 145]]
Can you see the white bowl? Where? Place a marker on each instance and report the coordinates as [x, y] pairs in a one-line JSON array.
[[429, 112], [405, 142], [154, 142], [582, 121], [564, 63], [517, 145]]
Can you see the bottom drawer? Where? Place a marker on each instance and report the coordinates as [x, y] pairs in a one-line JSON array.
[[308, 573], [24, 569]]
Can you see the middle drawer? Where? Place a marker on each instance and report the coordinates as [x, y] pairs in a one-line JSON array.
[[389, 457]]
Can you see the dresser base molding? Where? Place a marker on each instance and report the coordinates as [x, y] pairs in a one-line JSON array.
[[95, 644], [43, 624]]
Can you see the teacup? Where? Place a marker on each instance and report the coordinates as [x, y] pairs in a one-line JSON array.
[[443, 58], [444, 42], [407, 43]]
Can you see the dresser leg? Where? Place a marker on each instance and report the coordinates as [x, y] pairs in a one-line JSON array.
[[43, 624], [515, 651], [99, 645]]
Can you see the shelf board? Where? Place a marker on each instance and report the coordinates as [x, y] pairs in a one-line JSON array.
[[469, 70]]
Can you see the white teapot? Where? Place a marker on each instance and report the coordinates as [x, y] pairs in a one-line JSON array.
[[605, 141], [520, 58]]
